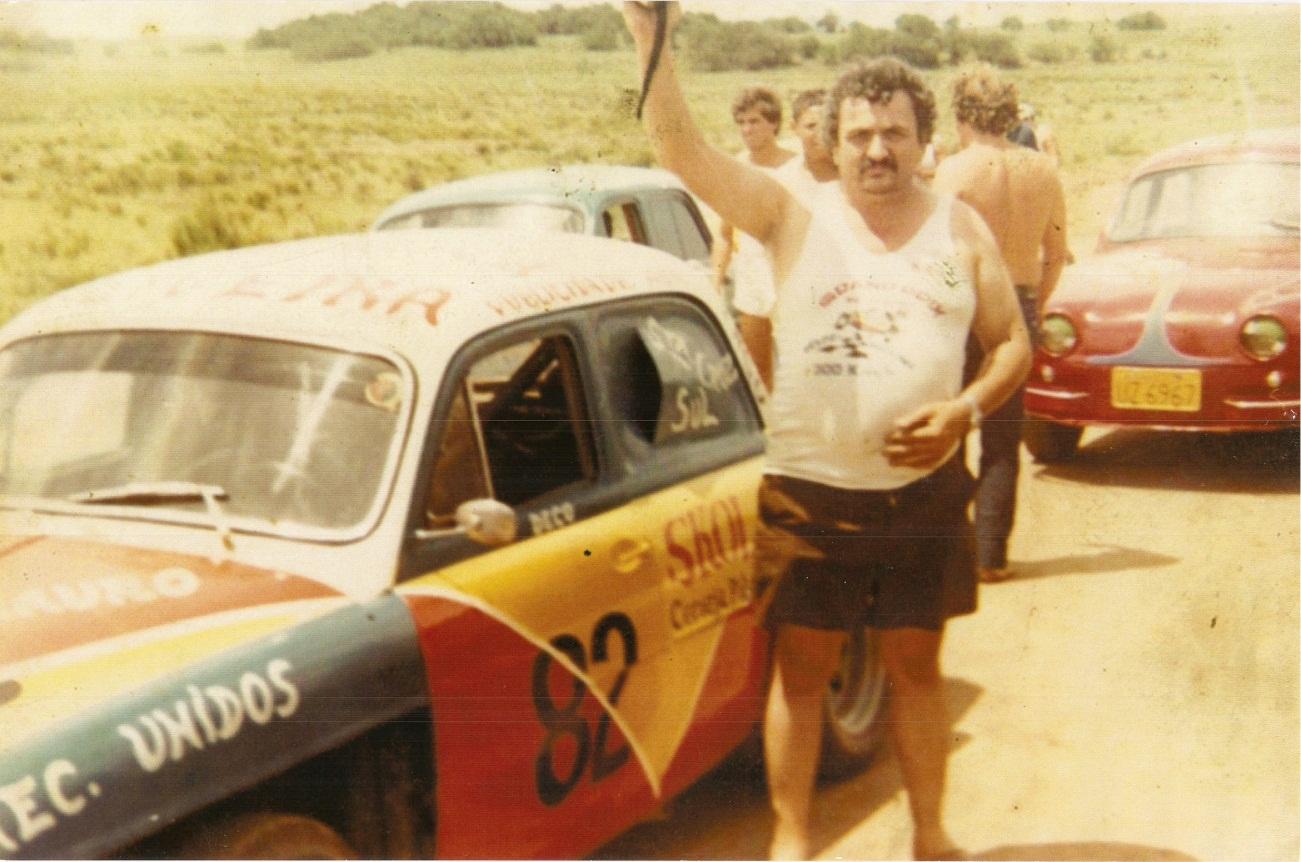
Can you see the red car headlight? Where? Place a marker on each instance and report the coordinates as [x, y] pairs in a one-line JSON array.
[[1263, 337], [1057, 334]]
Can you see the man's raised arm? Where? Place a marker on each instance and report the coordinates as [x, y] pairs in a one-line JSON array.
[[742, 195]]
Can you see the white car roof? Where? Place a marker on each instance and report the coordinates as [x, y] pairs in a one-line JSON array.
[[421, 294], [567, 183]]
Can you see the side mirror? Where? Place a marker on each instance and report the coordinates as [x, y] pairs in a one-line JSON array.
[[487, 522]]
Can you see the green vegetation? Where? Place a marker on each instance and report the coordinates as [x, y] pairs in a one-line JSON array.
[[1142, 21], [1051, 52], [460, 26], [120, 158], [988, 46], [1103, 48], [15, 40], [719, 46], [205, 48]]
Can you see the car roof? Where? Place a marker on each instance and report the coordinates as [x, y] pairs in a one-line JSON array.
[[579, 184], [1253, 145], [420, 294]]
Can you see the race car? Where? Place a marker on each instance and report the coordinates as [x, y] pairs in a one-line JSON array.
[[391, 545], [646, 206], [1186, 318]]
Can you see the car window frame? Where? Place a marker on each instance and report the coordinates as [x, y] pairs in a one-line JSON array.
[[386, 489], [622, 473], [420, 556], [667, 203], [388, 224], [622, 201], [642, 467]]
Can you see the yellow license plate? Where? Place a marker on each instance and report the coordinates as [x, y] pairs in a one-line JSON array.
[[1156, 389]]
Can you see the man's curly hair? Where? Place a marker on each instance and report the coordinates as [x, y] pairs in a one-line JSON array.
[[877, 82], [984, 102]]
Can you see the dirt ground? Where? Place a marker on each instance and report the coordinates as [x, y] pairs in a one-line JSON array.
[[1131, 695]]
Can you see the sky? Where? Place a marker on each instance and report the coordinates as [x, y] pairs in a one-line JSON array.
[[126, 19]]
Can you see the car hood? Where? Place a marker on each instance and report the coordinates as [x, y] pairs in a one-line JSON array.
[[1155, 306], [86, 621]]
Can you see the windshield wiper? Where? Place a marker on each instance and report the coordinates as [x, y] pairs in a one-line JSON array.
[[150, 493], [144, 493]]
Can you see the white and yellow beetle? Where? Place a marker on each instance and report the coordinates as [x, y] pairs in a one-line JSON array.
[[400, 544]]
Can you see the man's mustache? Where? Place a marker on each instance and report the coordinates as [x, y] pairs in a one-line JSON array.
[[887, 162]]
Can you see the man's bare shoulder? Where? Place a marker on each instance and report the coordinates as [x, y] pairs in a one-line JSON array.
[[968, 226], [1033, 163], [960, 166]]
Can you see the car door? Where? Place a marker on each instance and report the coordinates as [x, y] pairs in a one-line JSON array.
[[544, 654], [676, 226], [686, 435]]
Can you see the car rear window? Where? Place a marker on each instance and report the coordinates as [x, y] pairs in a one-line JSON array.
[[1240, 199], [530, 217]]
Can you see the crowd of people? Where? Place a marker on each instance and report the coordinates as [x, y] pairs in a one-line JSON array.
[[887, 292]]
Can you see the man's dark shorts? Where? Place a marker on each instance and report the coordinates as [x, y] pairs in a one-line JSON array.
[[887, 559]]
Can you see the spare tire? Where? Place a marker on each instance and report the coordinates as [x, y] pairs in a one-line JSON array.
[[855, 708]]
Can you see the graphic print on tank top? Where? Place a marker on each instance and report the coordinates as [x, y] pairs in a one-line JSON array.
[[865, 337]]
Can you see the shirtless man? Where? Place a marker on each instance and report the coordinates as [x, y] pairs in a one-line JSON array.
[[753, 300], [757, 113], [1018, 193], [863, 505]]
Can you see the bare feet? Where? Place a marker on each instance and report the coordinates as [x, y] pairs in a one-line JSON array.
[[935, 845], [786, 845], [950, 853], [994, 576]]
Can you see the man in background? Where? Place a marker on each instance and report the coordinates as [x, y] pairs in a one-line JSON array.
[[1019, 194], [757, 113], [753, 299]]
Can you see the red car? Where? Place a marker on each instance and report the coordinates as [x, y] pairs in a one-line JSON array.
[[1186, 317]]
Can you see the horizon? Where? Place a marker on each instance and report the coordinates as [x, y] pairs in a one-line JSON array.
[[124, 20]]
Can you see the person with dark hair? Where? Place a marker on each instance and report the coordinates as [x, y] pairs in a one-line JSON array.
[[757, 112], [1018, 193], [753, 299], [863, 506]]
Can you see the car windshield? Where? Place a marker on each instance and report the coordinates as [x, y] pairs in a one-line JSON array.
[[286, 435], [1245, 199], [543, 218]]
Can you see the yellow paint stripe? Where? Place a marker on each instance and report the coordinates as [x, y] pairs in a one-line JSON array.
[[63, 689], [301, 608], [425, 589]]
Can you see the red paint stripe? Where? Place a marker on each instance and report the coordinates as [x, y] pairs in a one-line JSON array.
[[58, 594]]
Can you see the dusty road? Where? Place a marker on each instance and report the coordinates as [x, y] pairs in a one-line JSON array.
[[1133, 694]]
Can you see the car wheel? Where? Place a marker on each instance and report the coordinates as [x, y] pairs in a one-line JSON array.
[[855, 708], [265, 835], [1049, 442]]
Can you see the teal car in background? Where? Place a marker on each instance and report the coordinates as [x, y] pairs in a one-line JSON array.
[[640, 205]]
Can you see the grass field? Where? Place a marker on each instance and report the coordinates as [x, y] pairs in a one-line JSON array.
[[117, 156]]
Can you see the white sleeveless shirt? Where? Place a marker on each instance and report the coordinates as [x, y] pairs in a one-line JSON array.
[[752, 282], [756, 296], [864, 338]]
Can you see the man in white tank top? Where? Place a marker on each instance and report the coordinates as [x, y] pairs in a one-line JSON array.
[[863, 506], [757, 112], [754, 299]]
